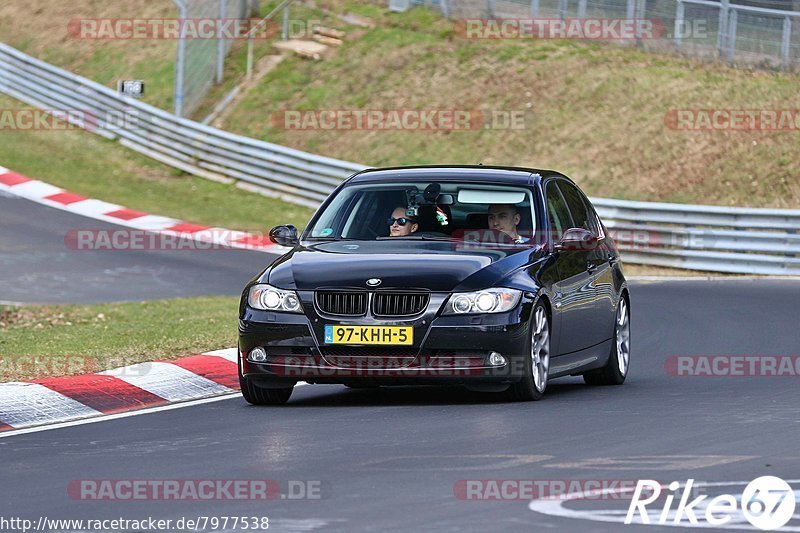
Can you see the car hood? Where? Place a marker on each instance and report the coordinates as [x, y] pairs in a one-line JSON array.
[[430, 265]]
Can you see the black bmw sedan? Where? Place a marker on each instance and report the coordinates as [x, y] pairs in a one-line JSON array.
[[499, 279]]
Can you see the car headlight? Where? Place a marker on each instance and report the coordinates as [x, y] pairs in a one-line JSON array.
[[486, 301], [269, 298]]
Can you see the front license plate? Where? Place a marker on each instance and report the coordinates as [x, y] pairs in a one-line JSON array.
[[403, 335]]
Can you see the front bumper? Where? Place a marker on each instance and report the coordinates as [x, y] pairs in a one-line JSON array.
[[446, 349]]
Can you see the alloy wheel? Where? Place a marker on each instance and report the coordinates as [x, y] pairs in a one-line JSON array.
[[540, 350], [623, 337]]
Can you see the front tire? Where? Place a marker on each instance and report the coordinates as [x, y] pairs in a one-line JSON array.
[[616, 369], [537, 365], [256, 395]]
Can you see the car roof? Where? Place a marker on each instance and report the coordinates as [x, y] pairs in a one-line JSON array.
[[476, 173]]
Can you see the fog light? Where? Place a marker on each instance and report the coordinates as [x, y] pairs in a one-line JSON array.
[[258, 355], [495, 359]]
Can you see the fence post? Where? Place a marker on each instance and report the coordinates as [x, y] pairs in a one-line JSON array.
[[249, 56], [679, 23], [534, 8], [285, 28], [582, 9], [490, 8], [445, 8], [639, 15], [180, 61], [786, 42], [731, 40], [631, 7], [562, 9], [221, 43], [722, 30]]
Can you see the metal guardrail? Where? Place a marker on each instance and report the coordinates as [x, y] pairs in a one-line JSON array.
[[699, 237], [208, 152], [720, 239]]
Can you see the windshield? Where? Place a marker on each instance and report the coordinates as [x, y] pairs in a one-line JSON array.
[[428, 210]]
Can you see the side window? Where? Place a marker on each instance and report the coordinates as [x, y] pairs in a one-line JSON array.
[[581, 217], [557, 211], [594, 220]]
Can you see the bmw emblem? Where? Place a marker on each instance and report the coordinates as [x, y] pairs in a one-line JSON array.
[[373, 282]]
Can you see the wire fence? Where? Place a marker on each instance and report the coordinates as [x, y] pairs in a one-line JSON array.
[[200, 63], [760, 32]]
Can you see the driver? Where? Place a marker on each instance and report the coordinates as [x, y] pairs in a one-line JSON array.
[[401, 225], [505, 218]]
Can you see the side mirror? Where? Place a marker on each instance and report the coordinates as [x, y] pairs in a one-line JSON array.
[[284, 235], [577, 239]]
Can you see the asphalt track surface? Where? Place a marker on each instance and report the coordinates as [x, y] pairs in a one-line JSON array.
[[389, 459], [38, 267], [392, 458]]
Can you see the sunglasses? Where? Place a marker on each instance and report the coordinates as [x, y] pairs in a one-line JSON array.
[[401, 221]]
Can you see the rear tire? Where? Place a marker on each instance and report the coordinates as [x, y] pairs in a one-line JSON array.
[[259, 396], [537, 364], [616, 369]]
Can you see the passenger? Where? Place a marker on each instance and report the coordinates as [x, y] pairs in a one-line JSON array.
[[505, 218], [400, 224]]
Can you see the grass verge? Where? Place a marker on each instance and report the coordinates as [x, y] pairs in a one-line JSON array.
[[92, 166], [39, 341], [594, 111], [41, 28]]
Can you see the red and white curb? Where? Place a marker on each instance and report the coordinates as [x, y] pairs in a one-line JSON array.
[[52, 196], [60, 399]]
